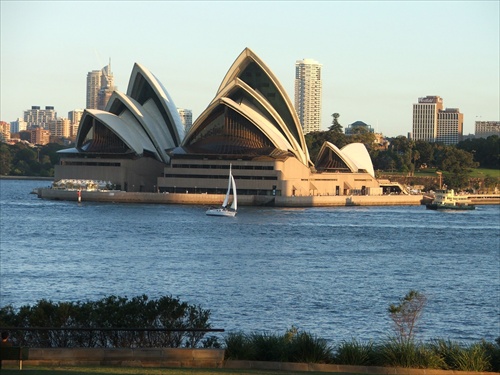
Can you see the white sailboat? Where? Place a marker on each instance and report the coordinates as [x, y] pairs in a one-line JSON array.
[[224, 210]]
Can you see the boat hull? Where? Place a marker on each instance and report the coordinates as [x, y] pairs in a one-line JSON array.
[[434, 206], [220, 212]]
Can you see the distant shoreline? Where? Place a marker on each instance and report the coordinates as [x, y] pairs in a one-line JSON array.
[[38, 178]]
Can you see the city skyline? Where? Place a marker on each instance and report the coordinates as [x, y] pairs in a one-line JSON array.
[[377, 58]]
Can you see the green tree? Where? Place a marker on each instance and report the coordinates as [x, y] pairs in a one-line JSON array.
[[426, 153], [5, 159], [406, 314], [362, 136], [455, 160], [336, 127], [315, 140], [486, 151]]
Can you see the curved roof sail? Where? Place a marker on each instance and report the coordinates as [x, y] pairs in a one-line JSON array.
[[330, 158], [144, 87], [103, 132], [143, 122], [358, 153], [351, 158], [251, 91]]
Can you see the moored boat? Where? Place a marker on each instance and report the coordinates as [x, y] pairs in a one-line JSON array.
[[448, 200]]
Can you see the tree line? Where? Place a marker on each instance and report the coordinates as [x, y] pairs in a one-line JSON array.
[[403, 155], [23, 159]]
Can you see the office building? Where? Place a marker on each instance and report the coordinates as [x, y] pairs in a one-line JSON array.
[[37, 117], [450, 126], [4, 131], [39, 136], [484, 129], [186, 116], [100, 86], [60, 127], [18, 125], [74, 118], [433, 123], [308, 94]]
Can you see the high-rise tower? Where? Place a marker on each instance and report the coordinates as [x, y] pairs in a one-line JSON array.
[[450, 126], [308, 94], [425, 118], [432, 123], [100, 86]]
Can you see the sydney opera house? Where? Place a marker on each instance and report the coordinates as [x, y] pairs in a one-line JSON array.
[[138, 142]]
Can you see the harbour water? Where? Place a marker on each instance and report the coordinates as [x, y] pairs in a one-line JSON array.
[[332, 271]]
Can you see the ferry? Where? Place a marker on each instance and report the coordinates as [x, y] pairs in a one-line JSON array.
[[448, 200]]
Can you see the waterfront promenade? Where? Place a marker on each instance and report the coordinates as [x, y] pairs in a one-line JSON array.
[[216, 199]]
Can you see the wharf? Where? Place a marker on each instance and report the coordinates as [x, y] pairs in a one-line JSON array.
[[116, 196]]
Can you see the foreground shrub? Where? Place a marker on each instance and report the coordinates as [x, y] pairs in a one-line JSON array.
[[269, 347], [475, 357], [307, 348], [355, 353], [98, 323], [293, 346], [408, 354], [238, 346], [493, 352]]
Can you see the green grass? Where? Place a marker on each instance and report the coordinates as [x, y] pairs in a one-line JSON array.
[[482, 173], [431, 172], [66, 370]]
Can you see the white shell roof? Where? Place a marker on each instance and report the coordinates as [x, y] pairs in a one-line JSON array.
[[130, 132], [288, 138], [358, 153]]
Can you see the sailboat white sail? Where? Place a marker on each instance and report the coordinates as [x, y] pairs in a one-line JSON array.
[[224, 210]]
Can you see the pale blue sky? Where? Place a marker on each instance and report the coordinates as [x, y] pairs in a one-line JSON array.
[[378, 57]]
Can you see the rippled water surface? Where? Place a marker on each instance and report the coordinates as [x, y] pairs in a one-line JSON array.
[[330, 271]]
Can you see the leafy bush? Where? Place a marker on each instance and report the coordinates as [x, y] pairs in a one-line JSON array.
[[355, 353], [238, 346], [110, 323], [471, 358], [309, 349], [293, 346], [493, 352], [475, 357], [269, 347], [408, 354]]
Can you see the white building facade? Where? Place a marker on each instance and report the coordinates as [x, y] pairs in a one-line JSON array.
[[484, 129], [308, 88], [37, 117]]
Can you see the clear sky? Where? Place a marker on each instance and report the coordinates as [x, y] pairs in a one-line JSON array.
[[378, 57]]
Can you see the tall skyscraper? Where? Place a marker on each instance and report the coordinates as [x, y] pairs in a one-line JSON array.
[[432, 123], [308, 94], [186, 116], [100, 86], [425, 114]]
